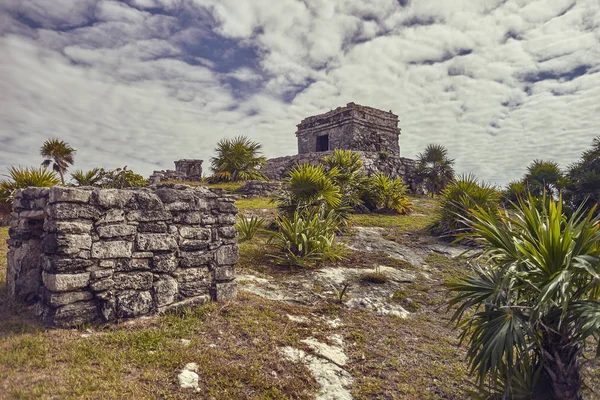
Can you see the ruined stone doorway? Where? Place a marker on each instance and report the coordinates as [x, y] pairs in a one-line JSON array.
[[323, 143]]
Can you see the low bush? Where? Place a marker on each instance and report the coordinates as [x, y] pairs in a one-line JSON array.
[[514, 191], [119, 178], [304, 240], [20, 178], [381, 193], [457, 201], [247, 227]]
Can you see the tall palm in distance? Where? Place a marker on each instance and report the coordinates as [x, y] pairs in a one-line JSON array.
[[59, 154], [237, 159], [434, 168], [543, 176]]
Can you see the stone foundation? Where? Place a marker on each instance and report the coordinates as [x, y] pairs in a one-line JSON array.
[[390, 164], [260, 188], [102, 255]]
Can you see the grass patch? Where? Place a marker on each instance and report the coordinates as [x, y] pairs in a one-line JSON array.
[[376, 277], [422, 216], [229, 186], [255, 203]]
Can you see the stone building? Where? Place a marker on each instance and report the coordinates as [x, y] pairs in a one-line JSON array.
[[185, 171], [353, 127]]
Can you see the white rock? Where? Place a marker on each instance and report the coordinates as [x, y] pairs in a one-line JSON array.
[[334, 354], [188, 378], [186, 342]]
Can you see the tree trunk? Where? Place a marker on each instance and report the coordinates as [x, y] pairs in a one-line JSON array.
[[562, 365], [62, 176]]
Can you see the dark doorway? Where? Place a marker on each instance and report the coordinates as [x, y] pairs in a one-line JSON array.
[[323, 143]]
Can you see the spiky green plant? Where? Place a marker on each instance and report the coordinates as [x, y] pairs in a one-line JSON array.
[[89, 178], [306, 240], [340, 293], [513, 192], [458, 199], [543, 176], [434, 168], [59, 154], [344, 169], [237, 159], [247, 227], [531, 304], [384, 193], [20, 178], [308, 190]]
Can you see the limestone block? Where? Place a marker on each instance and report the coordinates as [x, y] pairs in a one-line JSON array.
[[101, 274], [102, 284], [145, 200], [224, 273], [23, 274], [68, 195], [133, 264], [228, 232], [65, 264], [108, 308], [75, 227], [165, 291], [193, 281], [33, 214], [196, 233], [152, 227], [112, 231], [67, 244], [111, 198], [115, 249], [209, 220], [190, 259], [189, 218], [226, 219], [148, 216], [166, 263], [192, 245], [227, 255], [72, 211], [155, 242], [134, 281], [62, 299], [134, 304], [82, 312], [65, 282], [224, 291], [226, 206], [111, 216]]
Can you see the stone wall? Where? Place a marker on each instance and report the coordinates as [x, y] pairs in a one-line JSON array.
[[390, 164], [353, 127], [256, 188], [86, 255], [185, 171]]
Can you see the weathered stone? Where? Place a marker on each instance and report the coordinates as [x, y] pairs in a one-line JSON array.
[[112, 216], [24, 269], [134, 304], [226, 206], [165, 291], [228, 232], [133, 280], [155, 242], [224, 273], [67, 244], [75, 227], [191, 259], [152, 227], [62, 299], [68, 195], [32, 214], [148, 216], [102, 285], [227, 255], [83, 312], [189, 218], [101, 274], [145, 200], [225, 219], [112, 231], [192, 245], [108, 308], [132, 264], [257, 188], [224, 291], [62, 264], [65, 282], [111, 198], [116, 249], [142, 254], [185, 170], [193, 281], [166, 263], [196, 233], [72, 211], [107, 263]]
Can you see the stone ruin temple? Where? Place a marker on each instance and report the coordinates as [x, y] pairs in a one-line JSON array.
[[372, 133], [185, 170], [86, 255]]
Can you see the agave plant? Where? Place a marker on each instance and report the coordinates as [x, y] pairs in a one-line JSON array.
[[458, 199], [89, 178], [237, 159], [20, 178], [532, 303], [59, 154], [247, 227], [304, 240]]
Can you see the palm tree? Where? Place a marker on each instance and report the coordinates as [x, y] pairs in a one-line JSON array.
[[59, 154], [237, 159], [543, 176], [434, 168], [583, 178], [532, 302]]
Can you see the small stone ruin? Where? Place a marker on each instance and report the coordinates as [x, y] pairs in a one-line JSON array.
[[87, 255], [185, 171], [256, 188]]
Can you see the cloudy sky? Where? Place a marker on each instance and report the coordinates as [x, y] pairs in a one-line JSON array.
[[147, 82]]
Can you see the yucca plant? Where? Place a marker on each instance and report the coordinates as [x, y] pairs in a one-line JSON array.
[[384, 193], [20, 178], [458, 199], [308, 190], [237, 159], [306, 240], [530, 306], [90, 178], [59, 154], [247, 227]]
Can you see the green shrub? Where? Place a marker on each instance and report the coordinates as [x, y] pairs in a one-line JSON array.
[[582, 186], [434, 168], [457, 201], [514, 191], [304, 240], [237, 159], [89, 178], [308, 190], [543, 176], [20, 178], [247, 227], [381, 193], [344, 169], [119, 178]]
